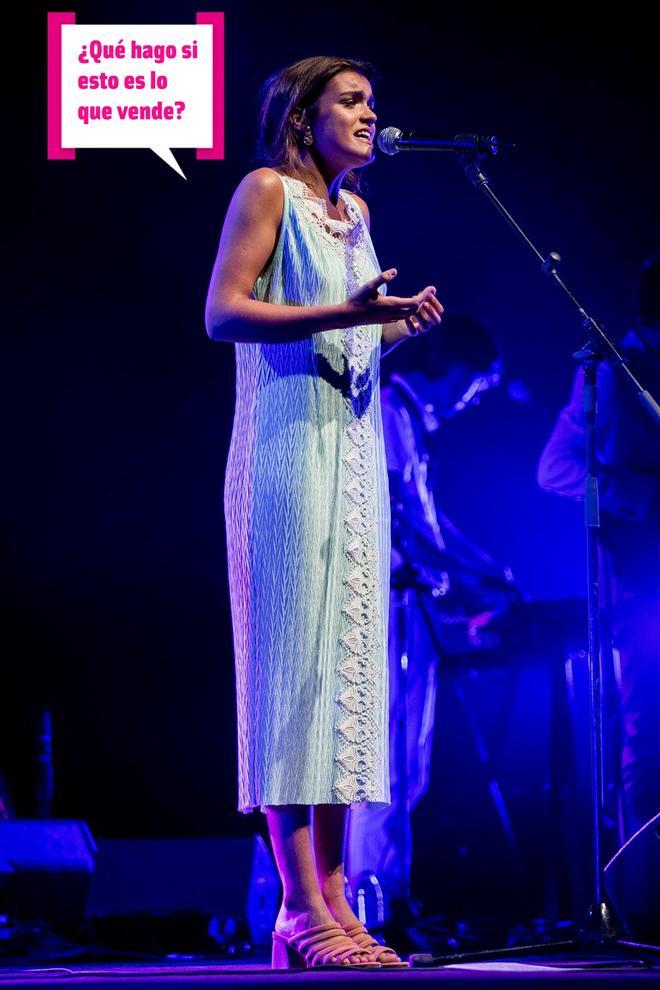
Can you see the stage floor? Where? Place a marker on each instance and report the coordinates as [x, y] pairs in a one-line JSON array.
[[177, 975]]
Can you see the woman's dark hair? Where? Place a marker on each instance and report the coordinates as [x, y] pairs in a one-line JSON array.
[[298, 86], [460, 339]]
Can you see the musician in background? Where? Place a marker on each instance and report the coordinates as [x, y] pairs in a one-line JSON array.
[[628, 456], [433, 382]]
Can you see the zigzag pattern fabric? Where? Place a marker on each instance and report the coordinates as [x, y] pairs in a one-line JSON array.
[[308, 531]]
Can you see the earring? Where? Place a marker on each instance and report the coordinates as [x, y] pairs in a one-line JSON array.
[[308, 138]]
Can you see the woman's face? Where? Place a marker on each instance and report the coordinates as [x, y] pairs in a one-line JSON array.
[[344, 126]]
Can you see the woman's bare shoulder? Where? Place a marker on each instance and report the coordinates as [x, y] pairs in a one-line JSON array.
[[263, 178], [261, 189], [256, 204]]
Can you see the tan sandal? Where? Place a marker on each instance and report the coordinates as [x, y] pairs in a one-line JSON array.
[[322, 946], [358, 932]]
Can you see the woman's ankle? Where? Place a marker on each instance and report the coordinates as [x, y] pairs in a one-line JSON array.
[[301, 903], [333, 893]]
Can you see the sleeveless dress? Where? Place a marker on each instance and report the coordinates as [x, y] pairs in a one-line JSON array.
[[307, 520]]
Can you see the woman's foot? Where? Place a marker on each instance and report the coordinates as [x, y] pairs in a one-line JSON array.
[[293, 919], [342, 912]]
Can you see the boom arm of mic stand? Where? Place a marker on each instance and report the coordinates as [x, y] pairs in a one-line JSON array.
[[599, 339]]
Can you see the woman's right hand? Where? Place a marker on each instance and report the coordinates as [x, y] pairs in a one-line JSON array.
[[368, 305]]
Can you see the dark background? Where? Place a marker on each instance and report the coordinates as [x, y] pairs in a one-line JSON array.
[[119, 408]]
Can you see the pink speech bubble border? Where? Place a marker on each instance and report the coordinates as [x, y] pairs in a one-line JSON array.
[[217, 20], [54, 78], [54, 85]]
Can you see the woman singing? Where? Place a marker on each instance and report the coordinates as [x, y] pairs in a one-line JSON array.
[[297, 288]]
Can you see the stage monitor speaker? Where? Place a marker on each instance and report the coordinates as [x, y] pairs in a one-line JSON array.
[[632, 879], [45, 869], [218, 877]]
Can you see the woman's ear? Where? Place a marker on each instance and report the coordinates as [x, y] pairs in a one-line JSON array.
[[298, 118]]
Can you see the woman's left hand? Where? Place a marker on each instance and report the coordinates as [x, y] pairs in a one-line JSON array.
[[428, 315]]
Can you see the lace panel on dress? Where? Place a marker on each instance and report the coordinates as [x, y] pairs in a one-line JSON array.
[[358, 760], [332, 230]]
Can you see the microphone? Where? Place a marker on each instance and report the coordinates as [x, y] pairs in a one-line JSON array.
[[391, 140]]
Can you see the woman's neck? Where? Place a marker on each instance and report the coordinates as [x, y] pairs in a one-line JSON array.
[[328, 180]]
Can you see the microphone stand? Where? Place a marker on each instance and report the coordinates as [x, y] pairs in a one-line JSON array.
[[598, 931]]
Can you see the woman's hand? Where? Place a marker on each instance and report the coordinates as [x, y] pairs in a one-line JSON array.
[[428, 315], [367, 306]]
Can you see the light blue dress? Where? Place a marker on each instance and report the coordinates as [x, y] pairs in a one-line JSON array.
[[308, 531]]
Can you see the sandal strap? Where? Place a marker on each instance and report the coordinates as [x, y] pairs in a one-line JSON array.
[[315, 936], [325, 944], [338, 953], [360, 934], [379, 949], [359, 930]]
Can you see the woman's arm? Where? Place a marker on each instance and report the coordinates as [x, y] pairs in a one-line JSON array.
[[248, 239], [392, 334]]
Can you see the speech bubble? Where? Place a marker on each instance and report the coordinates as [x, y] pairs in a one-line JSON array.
[[158, 86]]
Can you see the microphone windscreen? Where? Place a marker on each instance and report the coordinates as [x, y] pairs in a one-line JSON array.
[[387, 140]]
